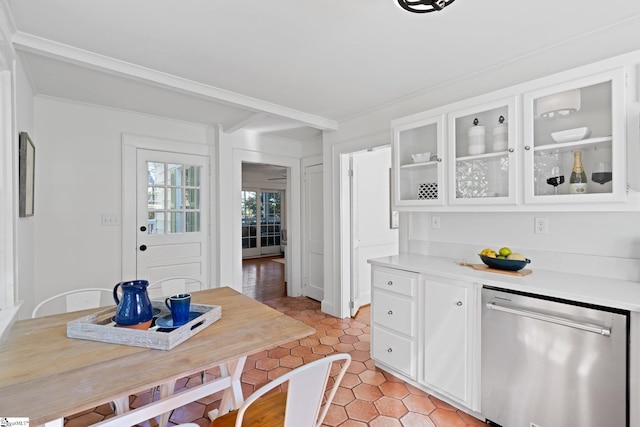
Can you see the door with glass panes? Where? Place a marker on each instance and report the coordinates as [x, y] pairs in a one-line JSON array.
[[172, 215], [261, 222]]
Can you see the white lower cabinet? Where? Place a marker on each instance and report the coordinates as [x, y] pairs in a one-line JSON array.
[[426, 329], [449, 331], [394, 320]]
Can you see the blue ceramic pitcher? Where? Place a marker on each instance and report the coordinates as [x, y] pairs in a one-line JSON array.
[[135, 306]]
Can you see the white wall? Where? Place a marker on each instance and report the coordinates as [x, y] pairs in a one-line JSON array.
[[603, 244], [78, 178], [25, 235]]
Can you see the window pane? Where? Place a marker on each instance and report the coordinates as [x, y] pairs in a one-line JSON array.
[[193, 199], [155, 173], [174, 198], [155, 198], [192, 176], [175, 222], [175, 174], [193, 222], [155, 223]]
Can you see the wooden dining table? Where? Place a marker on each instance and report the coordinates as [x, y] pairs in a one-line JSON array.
[[45, 376]]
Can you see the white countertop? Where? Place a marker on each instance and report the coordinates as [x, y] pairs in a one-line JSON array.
[[587, 289]]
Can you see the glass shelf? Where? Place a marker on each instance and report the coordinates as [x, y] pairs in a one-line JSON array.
[[567, 147], [419, 165], [483, 156]]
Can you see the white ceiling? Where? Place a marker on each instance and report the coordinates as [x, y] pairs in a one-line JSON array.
[[291, 67]]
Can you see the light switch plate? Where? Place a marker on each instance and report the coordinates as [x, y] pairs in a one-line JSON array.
[[110, 220]]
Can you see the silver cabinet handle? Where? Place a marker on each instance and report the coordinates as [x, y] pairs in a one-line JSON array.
[[390, 312], [438, 159], [389, 350], [526, 147], [390, 282], [459, 303], [551, 319], [511, 150]]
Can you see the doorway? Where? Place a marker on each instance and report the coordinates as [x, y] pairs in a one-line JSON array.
[[366, 217], [261, 222], [263, 225]]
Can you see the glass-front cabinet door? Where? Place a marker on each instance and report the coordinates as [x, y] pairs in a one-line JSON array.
[[482, 154], [574, 141], [418, 163]]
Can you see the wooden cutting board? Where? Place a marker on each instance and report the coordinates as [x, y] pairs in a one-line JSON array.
[[483, 267]]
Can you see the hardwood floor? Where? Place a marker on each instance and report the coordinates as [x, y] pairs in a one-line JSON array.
[[263, 278]]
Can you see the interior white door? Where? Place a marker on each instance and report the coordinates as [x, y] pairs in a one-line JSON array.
[[371, 234], [172, 213], [313, 259]]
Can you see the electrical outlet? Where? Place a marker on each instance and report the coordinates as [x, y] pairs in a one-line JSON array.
[[541, 226], [435, 222], [109, 220]]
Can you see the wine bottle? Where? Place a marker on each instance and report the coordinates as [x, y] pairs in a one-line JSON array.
[[578, 179]]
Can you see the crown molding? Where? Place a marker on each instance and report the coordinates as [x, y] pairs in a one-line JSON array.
[[62, 52]]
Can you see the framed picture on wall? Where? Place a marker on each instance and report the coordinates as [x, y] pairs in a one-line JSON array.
[[26, 172]]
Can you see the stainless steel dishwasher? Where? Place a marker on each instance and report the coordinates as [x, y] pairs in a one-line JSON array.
[[548, 362]]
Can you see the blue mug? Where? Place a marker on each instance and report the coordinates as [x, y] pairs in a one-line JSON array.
[[179, 306]]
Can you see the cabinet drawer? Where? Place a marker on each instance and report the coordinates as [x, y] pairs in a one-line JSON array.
[[395, 281], [394, 351], [394, 312]]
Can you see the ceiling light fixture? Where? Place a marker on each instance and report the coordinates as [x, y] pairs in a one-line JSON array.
[[423, 6]]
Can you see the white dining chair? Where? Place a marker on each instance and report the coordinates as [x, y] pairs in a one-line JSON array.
[[174, 285], [303, 404], [78, 299]]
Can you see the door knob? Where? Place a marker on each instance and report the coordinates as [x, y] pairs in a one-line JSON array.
[[143, 248]]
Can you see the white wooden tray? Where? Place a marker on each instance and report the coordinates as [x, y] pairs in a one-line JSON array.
[[100, 327]]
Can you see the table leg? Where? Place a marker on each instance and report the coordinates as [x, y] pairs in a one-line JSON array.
[[232, 397], [166, 390]]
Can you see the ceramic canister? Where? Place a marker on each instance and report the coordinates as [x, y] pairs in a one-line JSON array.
[[500, 136], [476, 139]]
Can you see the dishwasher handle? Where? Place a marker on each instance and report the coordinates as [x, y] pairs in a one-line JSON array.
[[551, 319]]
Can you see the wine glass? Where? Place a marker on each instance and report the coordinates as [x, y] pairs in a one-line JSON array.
[[601, 173], [556, 178]]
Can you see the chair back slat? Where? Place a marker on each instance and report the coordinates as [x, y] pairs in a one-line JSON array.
[[305, 394]]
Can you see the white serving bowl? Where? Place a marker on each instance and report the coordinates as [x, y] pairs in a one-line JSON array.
[[421, 157], [570, 135]]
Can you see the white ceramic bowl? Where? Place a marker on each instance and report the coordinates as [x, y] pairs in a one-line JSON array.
[[570, 135], [421, 157]]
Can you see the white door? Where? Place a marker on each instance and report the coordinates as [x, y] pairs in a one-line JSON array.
[[261, 222], [313, 259], [371, 234], [172, 192]]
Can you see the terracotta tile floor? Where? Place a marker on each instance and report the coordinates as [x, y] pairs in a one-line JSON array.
[[367, 396]]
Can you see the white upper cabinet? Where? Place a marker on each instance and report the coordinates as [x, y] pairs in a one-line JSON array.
[[418, 151], [514, 149], [482, 153], [583, 118]]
